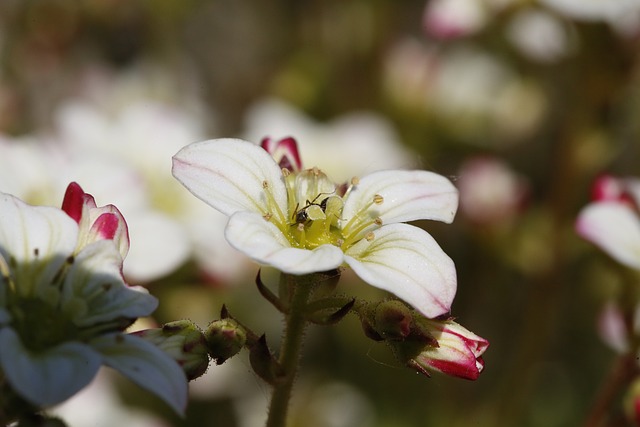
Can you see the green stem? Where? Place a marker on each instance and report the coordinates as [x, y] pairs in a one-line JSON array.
[[300, 288]]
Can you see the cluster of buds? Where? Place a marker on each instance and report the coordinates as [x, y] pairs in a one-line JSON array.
[[426, 345]]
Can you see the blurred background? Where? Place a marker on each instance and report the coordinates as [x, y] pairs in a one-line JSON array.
[[521, 103]]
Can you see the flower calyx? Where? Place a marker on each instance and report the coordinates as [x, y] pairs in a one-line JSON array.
[[184, 342]]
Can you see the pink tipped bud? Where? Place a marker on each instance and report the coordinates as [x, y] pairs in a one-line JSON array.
[[225, 338], [284, 151], [458, 352]]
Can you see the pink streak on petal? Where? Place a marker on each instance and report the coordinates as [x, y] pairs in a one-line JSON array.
[[106, 225], [73, 201]]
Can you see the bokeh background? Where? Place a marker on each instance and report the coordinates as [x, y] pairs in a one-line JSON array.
[[521, 103]]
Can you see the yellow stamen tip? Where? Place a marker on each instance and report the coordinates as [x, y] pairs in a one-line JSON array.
[[378, 199], [370, 236]]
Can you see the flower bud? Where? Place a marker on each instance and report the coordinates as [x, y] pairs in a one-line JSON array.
[[458, 351], [225, 338], [184, 342]]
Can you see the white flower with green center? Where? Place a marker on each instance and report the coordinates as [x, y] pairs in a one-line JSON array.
[[64, 304], [300, 222]]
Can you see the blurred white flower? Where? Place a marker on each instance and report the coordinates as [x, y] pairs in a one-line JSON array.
[[539, 35], [64, 304], [612, 220], [622, 15], [446, 19], [473, 89], [98, 405], [366, 141], [490, 192]]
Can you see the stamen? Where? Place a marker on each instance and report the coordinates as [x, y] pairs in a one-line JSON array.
[[271, 202], [267, 216], [370, 236], [377, 200], [354, 182]]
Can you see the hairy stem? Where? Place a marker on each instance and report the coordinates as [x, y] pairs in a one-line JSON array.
[[300, 288]]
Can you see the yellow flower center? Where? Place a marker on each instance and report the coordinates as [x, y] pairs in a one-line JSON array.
[[314, 212]]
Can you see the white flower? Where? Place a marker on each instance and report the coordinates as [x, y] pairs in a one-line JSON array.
[[612, 221], [302, 222], [64, 303]]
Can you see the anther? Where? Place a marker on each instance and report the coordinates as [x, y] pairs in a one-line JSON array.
[[286, 172], [378, 199], [355, 180], [378, 221], [267, 216], [370, 236], [265, 184]]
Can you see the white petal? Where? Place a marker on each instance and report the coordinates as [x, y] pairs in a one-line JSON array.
[[228, 174], [95, 278], [259, 239], [146, 365], [48, 377], [406, 261], [408, 196], [38, 238], [615, 228]]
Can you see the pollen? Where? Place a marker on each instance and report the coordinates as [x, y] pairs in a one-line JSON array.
[[355, 180], [378, 199], [378, 221], [370, 236], [265, 184]]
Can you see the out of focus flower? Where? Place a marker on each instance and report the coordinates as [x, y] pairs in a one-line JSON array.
[[539, 35], [352, 135], [64, 304], [98, 402], [615, 330], [301, 223], [458, 352], [622, 15], [446, 19], [490, 192], [612, 221]]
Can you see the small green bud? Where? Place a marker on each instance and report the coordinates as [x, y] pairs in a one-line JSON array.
[[225, 338], [184, 342]]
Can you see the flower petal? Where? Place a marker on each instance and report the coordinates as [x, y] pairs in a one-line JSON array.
[[261, 240], [38, 238], [613, 227], [48, 377], [406, 261], [228, 174], [146, 365], [95, 279], [408, 196]]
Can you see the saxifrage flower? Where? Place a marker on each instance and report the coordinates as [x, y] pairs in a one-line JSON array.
[[64, 304], [300, 222], [612, 220]]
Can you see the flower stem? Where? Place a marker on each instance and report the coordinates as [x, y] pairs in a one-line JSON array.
[[300, 288]]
